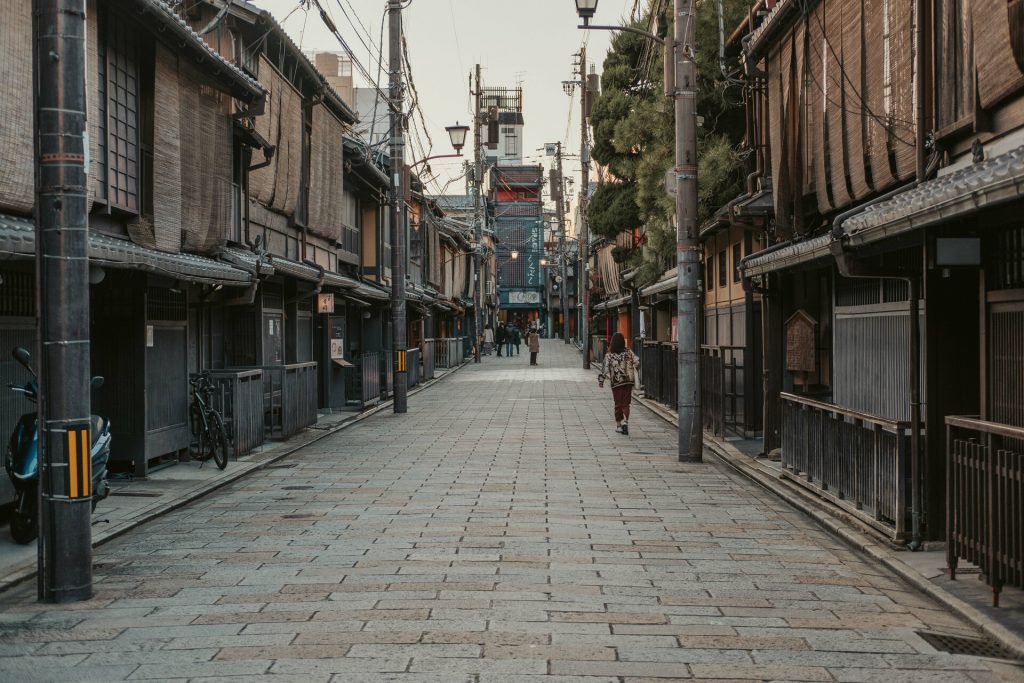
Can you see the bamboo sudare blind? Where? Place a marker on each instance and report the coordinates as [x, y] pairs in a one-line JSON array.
[[326, 168], [206, 164], [16, 178], [277, 186], [999, 74]]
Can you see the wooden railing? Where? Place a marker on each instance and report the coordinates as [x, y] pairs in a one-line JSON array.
[[985, 500], [858, 460], [658, 372], [370, 374], [412, 360], [289, 398], [239, 400]]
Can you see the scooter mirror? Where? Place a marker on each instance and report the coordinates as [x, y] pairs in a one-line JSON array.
[[22, 355], [96, 382]]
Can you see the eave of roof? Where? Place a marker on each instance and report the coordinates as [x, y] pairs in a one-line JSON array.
[[773, 24], [243, 87]]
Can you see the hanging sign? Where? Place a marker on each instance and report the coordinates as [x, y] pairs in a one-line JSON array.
[[325, 303]]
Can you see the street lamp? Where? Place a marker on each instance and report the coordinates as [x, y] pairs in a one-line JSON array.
[[586, 9], [681, 85], [457, 134]]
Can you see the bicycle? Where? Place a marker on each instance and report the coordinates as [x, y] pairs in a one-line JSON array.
[[209, 438]]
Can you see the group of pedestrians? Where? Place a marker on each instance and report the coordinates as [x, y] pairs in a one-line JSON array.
[[509, 337]]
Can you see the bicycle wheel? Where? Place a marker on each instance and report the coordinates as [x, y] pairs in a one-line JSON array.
[[218, 446], [197, 446]]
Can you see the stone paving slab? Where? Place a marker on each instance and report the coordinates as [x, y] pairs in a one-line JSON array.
[[501, 531]]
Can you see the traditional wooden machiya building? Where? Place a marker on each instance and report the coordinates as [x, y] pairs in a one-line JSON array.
[[893, 293]]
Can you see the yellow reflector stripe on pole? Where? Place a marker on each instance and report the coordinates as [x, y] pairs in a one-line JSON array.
[[86, 464], [73, 463]]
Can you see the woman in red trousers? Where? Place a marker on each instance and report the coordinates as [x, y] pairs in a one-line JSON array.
[[620, 366]]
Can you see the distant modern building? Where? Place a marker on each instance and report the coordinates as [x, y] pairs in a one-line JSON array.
[[502, 126]]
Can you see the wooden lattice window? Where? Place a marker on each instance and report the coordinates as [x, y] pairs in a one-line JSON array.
[[122, 115]]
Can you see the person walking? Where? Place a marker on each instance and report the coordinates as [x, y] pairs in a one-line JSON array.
[[517, 338], [510, 333], [488, 339], [533, 345], [620, 366], [499, 338]]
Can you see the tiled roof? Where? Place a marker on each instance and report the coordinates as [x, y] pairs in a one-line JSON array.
[[787, 256], [759, 38], [18, 240], [988, 183], [163, 11]]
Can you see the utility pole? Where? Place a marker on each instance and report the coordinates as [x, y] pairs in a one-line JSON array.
[[688, 248], [563, 290], [398, 182], [62, 302], [584, 237], [478, 218]]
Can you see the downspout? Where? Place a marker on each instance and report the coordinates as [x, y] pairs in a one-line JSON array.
[[850, 269]]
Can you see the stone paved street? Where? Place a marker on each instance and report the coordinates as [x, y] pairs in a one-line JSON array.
[[501, 531]]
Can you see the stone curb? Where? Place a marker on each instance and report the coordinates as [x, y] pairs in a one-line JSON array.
[[305, 438], [842, 527]]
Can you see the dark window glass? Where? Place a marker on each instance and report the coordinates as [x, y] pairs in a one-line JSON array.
[[709, 274], [737, 256], [721, 268], [122, 133]]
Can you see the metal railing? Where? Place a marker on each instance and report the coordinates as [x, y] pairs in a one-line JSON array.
[[985, 500], [725, 384], [429, 359], [448, 351], [658, 372], [370, 376], [289, 398], [239, 400], [412, 361], [859, 461]]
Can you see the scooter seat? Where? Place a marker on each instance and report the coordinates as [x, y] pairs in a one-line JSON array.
[[98, 424]]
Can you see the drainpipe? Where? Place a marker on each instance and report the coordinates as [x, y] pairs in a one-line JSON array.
[[850, 269]]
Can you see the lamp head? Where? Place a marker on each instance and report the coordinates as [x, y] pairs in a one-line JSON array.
[[585, 9], [457, 133], [515, 255]]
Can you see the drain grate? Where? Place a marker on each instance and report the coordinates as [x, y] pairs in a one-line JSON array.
[[299, 516], [959, 645], [281, 466], [296, 488], [137, 494]]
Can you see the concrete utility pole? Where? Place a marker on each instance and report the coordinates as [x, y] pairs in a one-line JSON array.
[[62, 302], [398, 180], [563, 290], [478, 218], [584, 236], [688, 248]]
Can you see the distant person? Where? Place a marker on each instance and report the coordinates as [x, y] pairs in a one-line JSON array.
[[517, 338], [620, 365], [499, 338], [488, 339], [510, 334], [533, 345]]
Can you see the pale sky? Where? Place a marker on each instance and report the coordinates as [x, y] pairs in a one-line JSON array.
[[524, 41]]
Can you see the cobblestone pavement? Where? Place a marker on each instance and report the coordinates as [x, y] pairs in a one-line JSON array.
[[501, 531]]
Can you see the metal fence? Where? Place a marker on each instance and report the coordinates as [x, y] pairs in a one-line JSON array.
[[713, 393], [370, 376], [289, 398], [658, 372], [448, 352], [730, 391], [858, 460], [429, 359], [985, 500], [412, 360], [238, 397]]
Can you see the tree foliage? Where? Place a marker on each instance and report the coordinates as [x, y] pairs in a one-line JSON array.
[[634, 133]]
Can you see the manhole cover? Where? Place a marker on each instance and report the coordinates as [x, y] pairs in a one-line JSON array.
[[137, 494], [958, 645], [296, 488]]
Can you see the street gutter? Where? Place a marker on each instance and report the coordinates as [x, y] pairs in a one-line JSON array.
[[238, 470], [844, 528]]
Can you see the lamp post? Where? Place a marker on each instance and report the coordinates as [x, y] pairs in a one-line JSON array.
[[681, 78], [457, 134]]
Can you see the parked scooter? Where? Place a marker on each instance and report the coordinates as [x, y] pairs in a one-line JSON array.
[[22, 461]]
